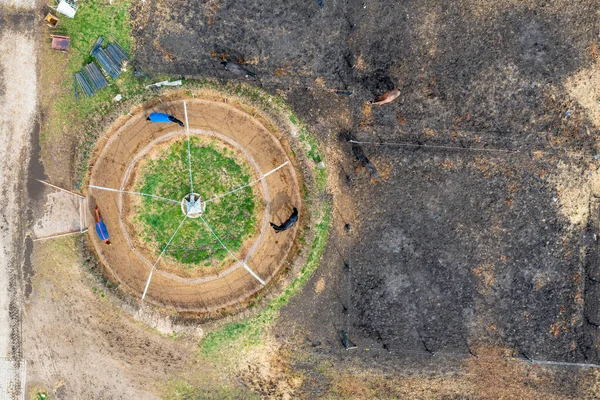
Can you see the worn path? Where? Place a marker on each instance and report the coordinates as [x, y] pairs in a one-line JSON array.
[[17, 111]]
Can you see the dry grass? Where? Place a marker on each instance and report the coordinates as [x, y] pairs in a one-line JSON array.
[[574, 192], [320, 286], [211, 10], [266, 371], [366, 118], [584, 87], [488, 377], [485, 275], [360, 63], [320, 82], [429, 132], [57, 262]]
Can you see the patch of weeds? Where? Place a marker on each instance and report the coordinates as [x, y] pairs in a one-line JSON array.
[[181, 390], [313, 154], [293, 119], [214, 172], [99, 291], [41, 396], [312, 145], [321, 179], [301, 238]]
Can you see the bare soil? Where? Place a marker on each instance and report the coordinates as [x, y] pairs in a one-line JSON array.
[[91, 346]]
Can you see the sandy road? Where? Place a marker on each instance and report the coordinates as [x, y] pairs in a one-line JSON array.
[[17, 111]]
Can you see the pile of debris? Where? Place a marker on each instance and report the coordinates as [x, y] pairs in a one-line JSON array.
[[90, 80], [112, 59]]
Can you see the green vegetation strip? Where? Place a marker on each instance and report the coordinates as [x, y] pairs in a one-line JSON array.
[[215, 171]]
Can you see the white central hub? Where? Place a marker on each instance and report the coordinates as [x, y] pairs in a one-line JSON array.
[[192, 205]]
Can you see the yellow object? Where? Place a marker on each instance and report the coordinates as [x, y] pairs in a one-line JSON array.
[[51, 20]]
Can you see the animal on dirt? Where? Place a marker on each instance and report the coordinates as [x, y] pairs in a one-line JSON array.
[[162, 117], [359, 153], [237, 69], [175, 120], [387, 97], [288, 222], [101, 229]]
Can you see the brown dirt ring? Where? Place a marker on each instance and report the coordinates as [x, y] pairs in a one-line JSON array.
[[203, 292]]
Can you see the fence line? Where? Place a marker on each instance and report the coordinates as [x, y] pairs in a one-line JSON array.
[[483, 149]]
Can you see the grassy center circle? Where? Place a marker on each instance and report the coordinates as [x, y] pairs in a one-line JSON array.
[[215, 170]]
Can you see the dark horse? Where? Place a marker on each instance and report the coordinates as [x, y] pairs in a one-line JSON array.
[[359, 153], [175, 120], [288, 223], [237, 69]]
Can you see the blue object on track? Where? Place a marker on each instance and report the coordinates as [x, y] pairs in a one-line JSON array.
[[101, 230], [159, 117]]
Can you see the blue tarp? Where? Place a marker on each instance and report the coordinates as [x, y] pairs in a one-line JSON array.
[[101, 230], [159, 117]]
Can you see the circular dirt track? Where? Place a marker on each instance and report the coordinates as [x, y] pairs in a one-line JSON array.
[[208, 289]]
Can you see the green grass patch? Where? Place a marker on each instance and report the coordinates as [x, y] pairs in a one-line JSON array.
[[95, 18], [86, 116], [321, 179], [215, 171]]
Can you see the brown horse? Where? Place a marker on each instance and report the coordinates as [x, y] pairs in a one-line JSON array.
[[387, 97]]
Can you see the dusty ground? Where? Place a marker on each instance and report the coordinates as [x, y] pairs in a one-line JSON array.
[[62, 214], [462, 252], [93, 346], [18, 85]]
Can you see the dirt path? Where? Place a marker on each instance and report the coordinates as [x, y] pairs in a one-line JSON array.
[[18, 3], [79, 345], [17, 110]]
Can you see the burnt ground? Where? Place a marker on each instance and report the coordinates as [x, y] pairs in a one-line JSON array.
[[451, 250]]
